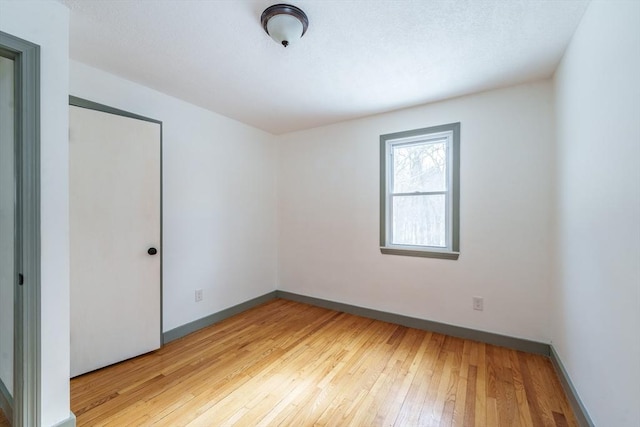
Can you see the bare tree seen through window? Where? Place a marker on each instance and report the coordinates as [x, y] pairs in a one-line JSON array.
[[419, 218]]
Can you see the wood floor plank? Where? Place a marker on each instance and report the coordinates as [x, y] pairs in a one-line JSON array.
[[4, 422], [290, 364], [400, 378], [524, 412], [470, 399], [545, 402], [374, 393], [460, 399], [482, 394], [413, 403], [433, 404], [352, 379]]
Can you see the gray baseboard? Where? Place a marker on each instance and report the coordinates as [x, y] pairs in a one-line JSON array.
[[457, 331], [203, 322], [69, 422], [6, 401], [576, 404], [411, 322], [428, 325]]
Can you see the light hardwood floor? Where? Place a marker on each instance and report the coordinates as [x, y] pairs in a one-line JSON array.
[[4, 422], [291, 364]]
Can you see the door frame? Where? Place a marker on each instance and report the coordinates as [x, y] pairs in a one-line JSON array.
[[84, 103], [25, 404]]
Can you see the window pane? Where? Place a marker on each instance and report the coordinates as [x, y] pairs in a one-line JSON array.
[[419, 167], [419, 220]]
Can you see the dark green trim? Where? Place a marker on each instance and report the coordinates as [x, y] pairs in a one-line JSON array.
[[455, 193], [579, 410], [69, 422], [190, 327], [26, 390], [90, 105], [83, 103], [383, 191], [425, 254], [427, 325], [161, 234], [6, 401]]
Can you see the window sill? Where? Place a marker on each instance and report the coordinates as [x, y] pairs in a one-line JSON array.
[[420, 253]]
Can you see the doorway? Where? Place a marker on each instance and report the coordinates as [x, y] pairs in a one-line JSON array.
[[20, 230], [7, 229]]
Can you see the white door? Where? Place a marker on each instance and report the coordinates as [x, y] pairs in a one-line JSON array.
[[114, 213]]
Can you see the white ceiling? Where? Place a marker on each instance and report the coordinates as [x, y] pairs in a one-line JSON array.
[[358, 57]]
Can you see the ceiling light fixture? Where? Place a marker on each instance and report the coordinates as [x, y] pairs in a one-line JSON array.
[[284, 23]]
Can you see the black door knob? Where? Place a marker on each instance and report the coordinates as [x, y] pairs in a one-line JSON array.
[[152, 251]]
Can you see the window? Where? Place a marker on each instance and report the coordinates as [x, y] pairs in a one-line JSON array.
[[420, 192]]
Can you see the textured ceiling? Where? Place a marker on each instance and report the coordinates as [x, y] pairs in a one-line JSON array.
[[358, 57]]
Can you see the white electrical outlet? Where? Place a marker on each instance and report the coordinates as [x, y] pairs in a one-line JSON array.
[[198, 295], [478, 303]]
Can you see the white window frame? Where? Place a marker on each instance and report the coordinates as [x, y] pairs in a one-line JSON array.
[[450, 135]]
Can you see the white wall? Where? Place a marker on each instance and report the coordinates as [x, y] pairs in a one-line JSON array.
[[329, 215], [219, 190], [597, 319], [46, 23]]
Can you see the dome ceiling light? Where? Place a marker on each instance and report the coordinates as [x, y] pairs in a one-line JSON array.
[[284, 23]]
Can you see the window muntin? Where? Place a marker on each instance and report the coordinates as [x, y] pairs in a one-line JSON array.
[[419, 192]]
